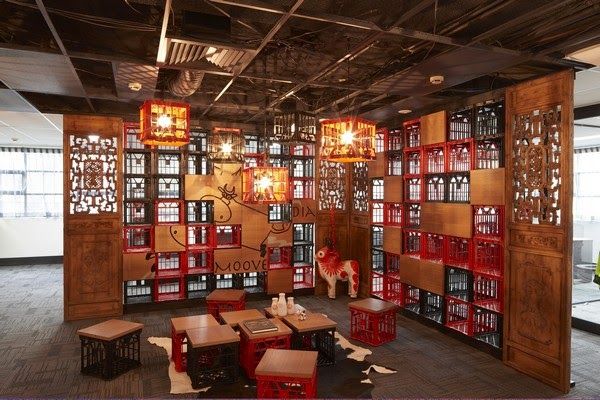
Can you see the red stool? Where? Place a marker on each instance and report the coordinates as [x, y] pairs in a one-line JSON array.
[[284, 374], [221, 300], [373, 321], [254, 345], [178, 328]]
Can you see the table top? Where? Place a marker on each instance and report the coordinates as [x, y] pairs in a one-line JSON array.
[[181, 324], [282, 329], [313, 322], [110, 330], [372, 305], [287, 363], [233, 318], [226, 295], [211, 336]]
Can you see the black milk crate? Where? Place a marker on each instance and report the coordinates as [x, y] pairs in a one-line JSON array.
[[137, 163], [458, 187], [109, 359], [377, 237], [214, 364], [393, 140], [411, 242], [489, 153], [137, 292], [168, 187], [138, 188], [137, 212], [435, 188], [378, 260], [198, 141], [131, 134], [432, 306], [224, 281], [489, 120], [199, 212], [413, 159], [250, 282], [198, 164], [459, 283], [412, 133], [199, 286], [168, 163], [411, 298], [487, 326], [461, 124], [412, 216], [138, 238]]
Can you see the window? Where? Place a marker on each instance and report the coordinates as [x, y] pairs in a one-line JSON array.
[[586, 191], [31, 182]]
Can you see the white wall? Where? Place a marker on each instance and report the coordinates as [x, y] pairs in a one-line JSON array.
[[31, 237], [588, 230]]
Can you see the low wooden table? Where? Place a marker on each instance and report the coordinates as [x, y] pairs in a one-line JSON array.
[[254, 345], [221, 300], [233, 318], [213, 353], [178, 327], [269, 313], [373, 321], [110, 348], [316, 332], [287, 374]]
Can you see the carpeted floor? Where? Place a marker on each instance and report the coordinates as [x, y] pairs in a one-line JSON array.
[[39, 354]]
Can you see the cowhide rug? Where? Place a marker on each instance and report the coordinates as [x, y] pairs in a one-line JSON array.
[[349, 378]]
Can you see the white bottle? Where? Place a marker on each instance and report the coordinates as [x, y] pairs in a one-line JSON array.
[[281, 306], [274, 301], [291, 307]]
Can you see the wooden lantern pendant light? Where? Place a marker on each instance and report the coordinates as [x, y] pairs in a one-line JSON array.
[[164, 123], [295, 128], [226, 145], [348, 139], [266, 185]]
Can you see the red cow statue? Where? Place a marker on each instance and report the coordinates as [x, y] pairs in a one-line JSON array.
[[332, 268]]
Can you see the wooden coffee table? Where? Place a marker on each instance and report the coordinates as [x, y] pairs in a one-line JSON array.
[[221, 300], [287, 374], [233, 318], [316, 332], [254, 345], [110, 348], [178, 327]]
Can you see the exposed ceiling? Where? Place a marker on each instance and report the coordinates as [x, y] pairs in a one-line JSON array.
[[251, 57]]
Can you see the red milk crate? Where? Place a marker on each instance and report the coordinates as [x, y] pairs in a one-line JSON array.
[[168, 212], [394, 163], [138, 238], [284, 387], [200, 236], [412, 133], [304, 276], [228, 236], [458, 185], [432, 247], [413, 190], [393, 139], [279, 257], [393, 290], [252, 348], [392, 214], [435, 188], [372, 325], [166, 289], [459, 315], [377, 213], [460, 156], [169, 265], [488, 222], [488, 292], [411, 243], [488, 257], [377, 284], [434, 158], [412, 216], [413, 162], [392, 264], [487, 326], [199, 261], [411, 298], [458, 252], [224, 300]]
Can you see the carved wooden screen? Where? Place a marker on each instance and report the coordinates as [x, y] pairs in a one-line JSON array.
[[538, 274], [92, 217], [360, 187], [332, 186]]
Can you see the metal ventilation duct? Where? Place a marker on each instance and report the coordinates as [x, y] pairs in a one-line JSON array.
[[180, 52], [186, 83]]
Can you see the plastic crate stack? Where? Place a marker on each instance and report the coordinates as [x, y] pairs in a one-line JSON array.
[[378, 283]]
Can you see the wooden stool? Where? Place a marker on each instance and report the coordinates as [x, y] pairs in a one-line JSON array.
[[316, 332], [110, 348], [178, 327], [233, 318], [221, 300], [213, 353], [372, 321], [283, 374], [254, 345]]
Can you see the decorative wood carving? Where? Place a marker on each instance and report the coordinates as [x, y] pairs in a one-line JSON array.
[[360, 187], [332, 185]]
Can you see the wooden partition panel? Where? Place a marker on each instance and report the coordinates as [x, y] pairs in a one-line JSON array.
[[92, 217], [539, 134]]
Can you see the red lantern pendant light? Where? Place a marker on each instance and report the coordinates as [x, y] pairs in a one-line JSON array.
[[266, 185], [348, 139], [164, 123]]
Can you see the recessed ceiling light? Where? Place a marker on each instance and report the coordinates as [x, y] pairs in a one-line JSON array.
[[135, 86], [405, 111], [436, 79]]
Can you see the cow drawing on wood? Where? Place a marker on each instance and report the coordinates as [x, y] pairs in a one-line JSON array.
[[332, 268]]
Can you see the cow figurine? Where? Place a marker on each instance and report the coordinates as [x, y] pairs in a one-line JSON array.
[[332, 268]]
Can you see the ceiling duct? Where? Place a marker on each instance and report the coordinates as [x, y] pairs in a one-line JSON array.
[[186, 83]]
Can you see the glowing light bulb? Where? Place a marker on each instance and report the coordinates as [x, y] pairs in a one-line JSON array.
[[265, 182], [226, 148], [164, 121], [347, 138], [293, 128]]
